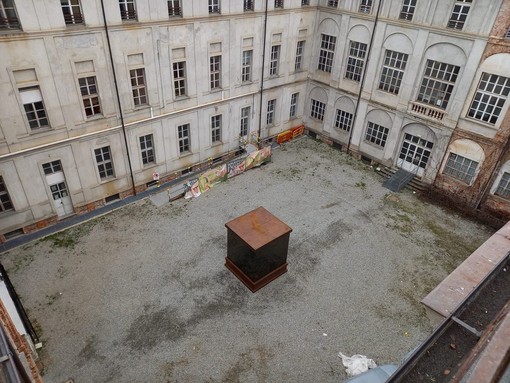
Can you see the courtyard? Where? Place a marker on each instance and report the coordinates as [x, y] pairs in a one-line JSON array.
[[142, 294]]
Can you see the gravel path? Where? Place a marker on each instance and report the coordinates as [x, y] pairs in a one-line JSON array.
[[142, 294]]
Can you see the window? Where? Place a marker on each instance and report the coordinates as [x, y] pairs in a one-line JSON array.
[[245, 121], [489, 98], [437, 85], [104, 162], [278, 3], [52, 167], [214, 6], [183, 135], [356, 61], [507, 35], [293, 105], [5, 199], [407, 11], [174, 8], [215, 69], [393, 71], [333, 3], [88, 89], [246, 65], [318, 109], [343, 120], [459, 14], [248, 5], [376, 134], [271, 106], [365, 6], [300, 48], [503, 189], [127, 9], [138, 86], [8, 15], [460, 167], [274, 60], [326, 53], [179, 70], [72, 11], [34, 107], [305, 2], [216, 128], [147, 149]]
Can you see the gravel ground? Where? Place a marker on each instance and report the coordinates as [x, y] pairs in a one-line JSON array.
[[142, 294]]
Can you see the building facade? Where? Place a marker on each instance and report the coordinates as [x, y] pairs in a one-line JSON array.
[[97, 96]]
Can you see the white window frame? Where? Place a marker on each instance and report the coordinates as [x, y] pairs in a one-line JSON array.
[[392, 72], [5, 199], [356, 60], [300, 49], [214, 6], [317, 110], [343, 120], [71, 10], [326, 53], [503, 188], [147, 149], [139, 89], [459, 14], [270, 115], [35, 110], [488, 103], [8, 15], [407, 10], [274, 60], [461, 168], [183, 136], [376, 134], [174, 8], [52, 167], [216, 128], [90, 96], [434, 90], [127, 10], [104, 165], [245, 121], [179, 75], [246, 65], [215, 72], [365, 6], [294, 99]]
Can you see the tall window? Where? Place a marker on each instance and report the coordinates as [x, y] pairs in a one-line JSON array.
[[147, 149], [127, 9], [90, 98], [365, 6], [393, 71], [174, 8], [333, 3], [274, 60], [460, 167], [317, 110], [300, 48], [376, 134], [215, 71], [437, 84], [489, 98], [214, 6], [407, 11], [356, 61], [8, 16], [5, 199], [326, 53], [104, 162], [271, 106], [138, 86], [343, 120], [72, 11], [216, 128], [293, 105], [246, 64], [459, 14], [248, 5], [183, 132], [278, 3], [503, 189], [245, 121], [34, 107], [179, 72]]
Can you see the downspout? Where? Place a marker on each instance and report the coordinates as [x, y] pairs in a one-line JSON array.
[[263, 63], [121, 115], [364, 75]]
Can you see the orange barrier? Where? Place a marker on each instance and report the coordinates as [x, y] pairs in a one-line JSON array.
[[297, 131], [284, 136]]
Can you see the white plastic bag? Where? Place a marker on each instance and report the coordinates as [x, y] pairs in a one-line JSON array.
[[356, 364]]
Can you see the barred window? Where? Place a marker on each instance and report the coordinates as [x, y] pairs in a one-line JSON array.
[[437, 84], [356, 61], [407, 11], [183, 132], [365, 6], [248, 5], [245, 121], [138, 86], [459, 14], [214, 6], [215, 74], [72, 11], [300, 48], [34, 107], [503, 189], [8, 15], [104, 162], [318, 109], [5, 199], [333, 3], [127, 9], [274, 60], [147, 149], [179, 72], [326, 53], [216, 128], [376, 134], [489, 98], [460, 168], [90, 98], [393, 71], [246, 65], [343, 120], [293, 105], [174, 8], [271, 106]]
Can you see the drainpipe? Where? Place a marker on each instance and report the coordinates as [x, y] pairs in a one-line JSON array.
[[263, 63], [121, 115], [363, 76]]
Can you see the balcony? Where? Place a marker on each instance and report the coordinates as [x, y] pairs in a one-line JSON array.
[[427, 111]]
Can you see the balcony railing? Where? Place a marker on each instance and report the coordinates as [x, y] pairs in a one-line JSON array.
[[427, 111], [174, 11], [9, 23]]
